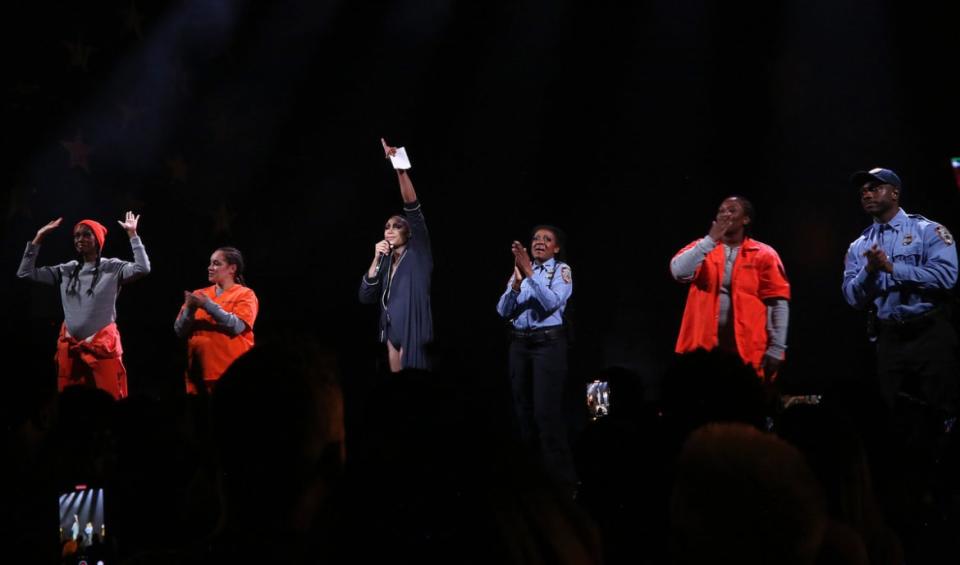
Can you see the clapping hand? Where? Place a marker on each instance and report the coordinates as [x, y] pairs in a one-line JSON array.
[[517, 279], [877, 260], [194, 300], [522, 259]]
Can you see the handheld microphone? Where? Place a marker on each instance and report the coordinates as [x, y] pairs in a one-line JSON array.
[[376, 270]]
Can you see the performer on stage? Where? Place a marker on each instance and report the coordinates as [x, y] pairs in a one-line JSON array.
[[902, 269], [217, 321], [534, 302], [739, 293], [88, 534], [88, 349], [399, 278]]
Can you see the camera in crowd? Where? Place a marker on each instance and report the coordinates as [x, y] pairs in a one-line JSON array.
[[598, 399]]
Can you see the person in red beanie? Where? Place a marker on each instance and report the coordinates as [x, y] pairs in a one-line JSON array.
[[88, 350]]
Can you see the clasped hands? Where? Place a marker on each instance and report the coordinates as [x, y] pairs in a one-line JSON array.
[[194, 300], [522, 265], [877, 260]]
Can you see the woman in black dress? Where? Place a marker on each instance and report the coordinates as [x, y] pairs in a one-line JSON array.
[[399, 277]]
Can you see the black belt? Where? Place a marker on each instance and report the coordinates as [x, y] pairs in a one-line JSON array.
[[539, 334], [918, 321]]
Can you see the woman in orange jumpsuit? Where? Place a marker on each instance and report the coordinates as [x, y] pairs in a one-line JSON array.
[[217, 321]]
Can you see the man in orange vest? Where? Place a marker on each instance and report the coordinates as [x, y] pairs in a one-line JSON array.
[[739, 293]]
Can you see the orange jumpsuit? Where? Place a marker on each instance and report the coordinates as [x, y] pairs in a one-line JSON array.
[[758, 275], [211, 348]]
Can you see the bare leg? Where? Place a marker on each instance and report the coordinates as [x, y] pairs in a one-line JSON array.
[[394, 356]]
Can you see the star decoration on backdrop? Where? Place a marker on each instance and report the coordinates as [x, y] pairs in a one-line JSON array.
[[79, 53], [178, 169], [133, 20], [222, 220], [130, 115], [79, 152], [19, 202]]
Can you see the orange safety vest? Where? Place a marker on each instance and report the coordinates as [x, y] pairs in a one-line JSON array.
[[758, 275], [209, 345]]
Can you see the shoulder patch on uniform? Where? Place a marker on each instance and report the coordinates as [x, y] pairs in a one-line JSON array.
[[945, 235], [566, 274]]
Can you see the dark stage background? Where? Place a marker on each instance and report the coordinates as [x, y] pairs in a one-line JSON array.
[[257, 124]]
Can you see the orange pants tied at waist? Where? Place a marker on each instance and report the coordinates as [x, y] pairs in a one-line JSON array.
[[95, 361]]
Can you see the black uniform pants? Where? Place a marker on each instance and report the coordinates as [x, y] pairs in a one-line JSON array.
[[917, 360], [918, 370], [538, 374]]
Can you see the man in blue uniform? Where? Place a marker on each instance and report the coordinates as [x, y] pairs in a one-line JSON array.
[[534, 302], [903, 269]]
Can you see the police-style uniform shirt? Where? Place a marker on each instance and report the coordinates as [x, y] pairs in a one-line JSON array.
[[924, 260], [541, 299]]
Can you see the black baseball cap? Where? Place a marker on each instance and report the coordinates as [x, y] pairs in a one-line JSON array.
[[885, 176]]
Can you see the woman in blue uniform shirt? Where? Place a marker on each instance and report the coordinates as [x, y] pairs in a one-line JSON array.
[[534, 302], [399, 278]]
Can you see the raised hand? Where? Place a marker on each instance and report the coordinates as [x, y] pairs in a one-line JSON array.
[[129, 223], [719, 227], [388, 151], [42, 232], [522, 259], [517, 278]]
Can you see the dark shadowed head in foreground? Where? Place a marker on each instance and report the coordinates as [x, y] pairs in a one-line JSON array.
[[744, 496], [277, 426]]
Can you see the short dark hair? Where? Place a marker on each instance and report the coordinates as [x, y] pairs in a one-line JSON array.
[[557, 232], [748, 208]]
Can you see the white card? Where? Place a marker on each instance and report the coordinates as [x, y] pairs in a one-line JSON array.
[[400, 159]]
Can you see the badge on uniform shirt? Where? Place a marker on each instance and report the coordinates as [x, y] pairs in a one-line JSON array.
[[945, 235], [565, 274], [908, 239]]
